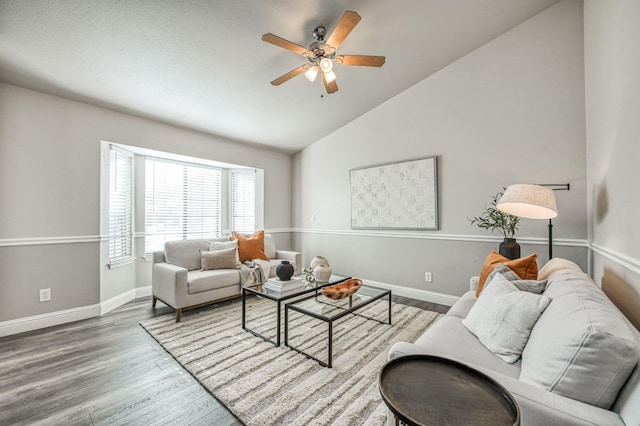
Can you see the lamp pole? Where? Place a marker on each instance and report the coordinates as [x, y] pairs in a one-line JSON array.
[[555, 187]]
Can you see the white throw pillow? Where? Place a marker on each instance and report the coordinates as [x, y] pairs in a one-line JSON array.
[[503, 316]]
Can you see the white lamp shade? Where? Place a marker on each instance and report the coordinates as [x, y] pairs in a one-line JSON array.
[[326, 65], [329, 76], [311, 73], [528, 201]]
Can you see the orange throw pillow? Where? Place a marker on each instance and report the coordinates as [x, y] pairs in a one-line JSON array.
[[251, 247], [525, 267]]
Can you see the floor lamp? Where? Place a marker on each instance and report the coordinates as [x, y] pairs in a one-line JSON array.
[[532, 202]]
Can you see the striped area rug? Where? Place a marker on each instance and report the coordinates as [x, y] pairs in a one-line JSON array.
[[267, 385]]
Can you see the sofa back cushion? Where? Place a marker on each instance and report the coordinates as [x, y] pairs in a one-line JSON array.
[[580, 347], [186, 253], [269, 246]]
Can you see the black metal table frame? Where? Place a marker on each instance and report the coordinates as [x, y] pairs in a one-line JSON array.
[[278, 301], [329, 322]]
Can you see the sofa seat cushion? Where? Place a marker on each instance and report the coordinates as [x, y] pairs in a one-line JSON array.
[[580, 347], [199, 281], [450, 339]]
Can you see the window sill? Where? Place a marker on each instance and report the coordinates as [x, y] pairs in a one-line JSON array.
[[120, 262]]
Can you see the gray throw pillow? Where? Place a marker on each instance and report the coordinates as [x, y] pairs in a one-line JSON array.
[[531, 286], [222, 245], [219, 259], [503, 316]]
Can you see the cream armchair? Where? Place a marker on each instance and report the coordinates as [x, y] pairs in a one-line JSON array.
[[178, 281]]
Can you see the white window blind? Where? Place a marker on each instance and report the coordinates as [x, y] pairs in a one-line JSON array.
[[182, 201], [120, 209], [243, 200]]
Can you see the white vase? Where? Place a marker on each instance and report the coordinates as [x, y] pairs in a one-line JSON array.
[[322, 273], [318, 260]]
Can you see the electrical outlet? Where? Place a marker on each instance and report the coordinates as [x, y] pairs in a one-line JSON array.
[[428, 277], [45, 294]]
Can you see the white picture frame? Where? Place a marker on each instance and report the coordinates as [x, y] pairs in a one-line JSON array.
[[398, 195]]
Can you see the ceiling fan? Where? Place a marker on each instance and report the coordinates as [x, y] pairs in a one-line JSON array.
[[322, 53]]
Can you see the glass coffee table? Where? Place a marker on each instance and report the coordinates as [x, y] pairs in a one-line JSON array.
[[279, 298], [329, 311]]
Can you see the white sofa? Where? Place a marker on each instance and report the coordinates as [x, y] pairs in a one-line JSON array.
[[581, 345], [178, 281]]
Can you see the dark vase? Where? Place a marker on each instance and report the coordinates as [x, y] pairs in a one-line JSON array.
[[509, 248], [284, 270]]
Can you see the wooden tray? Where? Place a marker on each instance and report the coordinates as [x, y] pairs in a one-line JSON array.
[[344, 289]]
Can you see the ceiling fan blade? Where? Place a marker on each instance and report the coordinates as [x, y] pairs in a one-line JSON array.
[[331, 87], [285, 44], [360, 60], [288, 76], [346, 24]]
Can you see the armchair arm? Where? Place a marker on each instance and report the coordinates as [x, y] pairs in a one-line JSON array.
[[473, 283], [293, 257], [158, 256], [169, 284]]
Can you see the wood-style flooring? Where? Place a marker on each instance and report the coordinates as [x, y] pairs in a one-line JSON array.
[[106, 371]]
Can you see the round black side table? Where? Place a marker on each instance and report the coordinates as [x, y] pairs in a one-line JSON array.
[[429, 390]]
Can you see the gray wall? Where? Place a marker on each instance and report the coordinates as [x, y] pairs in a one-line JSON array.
[[50, 229], [612, 67], [512, 111]]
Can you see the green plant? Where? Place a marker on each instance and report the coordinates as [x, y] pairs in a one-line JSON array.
[[493, 219]]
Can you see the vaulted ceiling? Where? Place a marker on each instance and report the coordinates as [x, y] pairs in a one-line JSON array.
[[202, 64]]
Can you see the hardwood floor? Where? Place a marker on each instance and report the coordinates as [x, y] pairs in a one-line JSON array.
[[106, 371]]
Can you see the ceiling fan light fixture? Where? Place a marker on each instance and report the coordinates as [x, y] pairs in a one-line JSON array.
[[329, 76], [311, 73], [326, 65]]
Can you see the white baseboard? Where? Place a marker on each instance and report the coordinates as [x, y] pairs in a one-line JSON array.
[[143, 291], [117, 301], [36, 322], [21, 325], [414, 293]]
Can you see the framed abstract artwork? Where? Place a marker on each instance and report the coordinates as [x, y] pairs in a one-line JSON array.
[[401, 195]]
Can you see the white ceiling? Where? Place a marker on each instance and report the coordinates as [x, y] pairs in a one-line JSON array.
[[202, 64]]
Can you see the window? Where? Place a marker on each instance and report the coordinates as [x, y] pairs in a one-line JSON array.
[[243, 200], [182, 201], [120, 200]]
